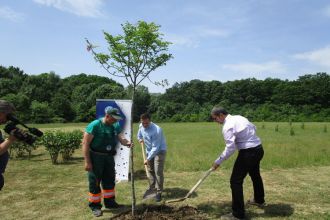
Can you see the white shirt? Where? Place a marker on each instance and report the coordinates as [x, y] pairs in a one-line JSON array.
[[239, 134]]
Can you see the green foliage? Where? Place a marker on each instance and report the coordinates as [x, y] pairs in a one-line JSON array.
[[325, 129], [47, 98], [61, 107], [134, 54], [41, 87], [19, 149], [141, 100], [258, 100], [64, 143], [70, 142], [40, 112], [276, 128]]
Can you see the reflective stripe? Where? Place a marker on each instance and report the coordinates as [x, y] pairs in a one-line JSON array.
[[94, 198], [108, 193]]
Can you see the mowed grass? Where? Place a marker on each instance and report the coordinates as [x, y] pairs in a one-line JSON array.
[[295, 171]]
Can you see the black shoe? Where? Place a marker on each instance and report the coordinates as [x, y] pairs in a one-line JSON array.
[[113, 205], [97, 212], [158, 197]]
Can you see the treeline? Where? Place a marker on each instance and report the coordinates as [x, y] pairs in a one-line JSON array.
[[47, 98], [304, 99]]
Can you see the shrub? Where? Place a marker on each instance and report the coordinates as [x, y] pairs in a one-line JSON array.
[[70, 142], [19, 149], [64, 143], [291, 131]]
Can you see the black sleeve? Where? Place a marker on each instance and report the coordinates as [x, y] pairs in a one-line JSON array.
[[1, 138]]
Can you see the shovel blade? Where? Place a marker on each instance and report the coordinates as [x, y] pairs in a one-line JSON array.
[[175, 200], [150, 193]]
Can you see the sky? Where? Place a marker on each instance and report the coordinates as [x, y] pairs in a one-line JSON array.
[[211, 39]]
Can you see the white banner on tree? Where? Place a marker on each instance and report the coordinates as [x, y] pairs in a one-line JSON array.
[[123, 152]]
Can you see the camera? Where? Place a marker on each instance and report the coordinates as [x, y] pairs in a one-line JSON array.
[[20, 134]]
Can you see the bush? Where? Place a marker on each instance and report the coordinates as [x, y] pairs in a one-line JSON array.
[[70, 142], [64, 143], [19, 149]]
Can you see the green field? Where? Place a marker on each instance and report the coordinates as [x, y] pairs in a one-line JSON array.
[[295, 170]]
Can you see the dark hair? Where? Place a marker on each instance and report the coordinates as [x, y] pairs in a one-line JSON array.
[[6, 107], [217, 110], [145, 116]]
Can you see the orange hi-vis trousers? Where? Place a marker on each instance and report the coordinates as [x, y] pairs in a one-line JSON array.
[[106, 193]]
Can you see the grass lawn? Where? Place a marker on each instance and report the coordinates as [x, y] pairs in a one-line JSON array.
[[295, 171]]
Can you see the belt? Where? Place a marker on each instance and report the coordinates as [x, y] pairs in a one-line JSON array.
[[111, 153], [252, 148]]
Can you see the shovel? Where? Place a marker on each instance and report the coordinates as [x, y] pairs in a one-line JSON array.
[[192, 189], [149, 193]]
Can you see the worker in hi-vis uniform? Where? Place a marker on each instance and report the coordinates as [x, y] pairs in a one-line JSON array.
[[99, 142]]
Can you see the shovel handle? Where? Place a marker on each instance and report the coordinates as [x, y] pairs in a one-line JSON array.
[[144, 159], [199, 183]]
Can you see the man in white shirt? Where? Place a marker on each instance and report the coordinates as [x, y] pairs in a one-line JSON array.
[[240, 134]]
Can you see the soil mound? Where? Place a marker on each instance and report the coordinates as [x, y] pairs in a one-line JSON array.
[[163, 212]]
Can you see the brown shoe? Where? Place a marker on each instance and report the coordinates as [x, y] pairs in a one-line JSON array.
[[253, 202]]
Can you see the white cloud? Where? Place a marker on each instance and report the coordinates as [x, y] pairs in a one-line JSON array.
[[320, 56], [192, 40], [84, 8], [256, 68], [179, 40], [327, 11], [9, 14], [209, 32]]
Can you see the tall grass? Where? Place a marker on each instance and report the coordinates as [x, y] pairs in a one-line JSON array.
[[195, 146]]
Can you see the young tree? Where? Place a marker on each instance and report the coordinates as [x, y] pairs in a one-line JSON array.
[[133, 56]]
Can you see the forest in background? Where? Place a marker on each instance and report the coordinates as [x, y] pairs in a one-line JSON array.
[[47, 98]]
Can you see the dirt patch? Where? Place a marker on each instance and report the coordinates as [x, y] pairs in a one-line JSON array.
[[163, 212]]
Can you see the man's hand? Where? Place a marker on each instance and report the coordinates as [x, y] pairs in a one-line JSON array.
[[124, 141], [129, 144], [12, 138], [146, 162], [88, 166], [215, 166]]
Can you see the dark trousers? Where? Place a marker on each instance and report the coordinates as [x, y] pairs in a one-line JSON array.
[[104, 174], [3, 163], [247, 162]]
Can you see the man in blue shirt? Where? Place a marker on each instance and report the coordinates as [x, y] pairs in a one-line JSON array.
[[153, 138]]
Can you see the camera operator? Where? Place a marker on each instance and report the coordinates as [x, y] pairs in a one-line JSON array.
[[5, 109]]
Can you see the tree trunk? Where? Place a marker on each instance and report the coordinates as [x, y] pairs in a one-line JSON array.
[[132, 158]]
